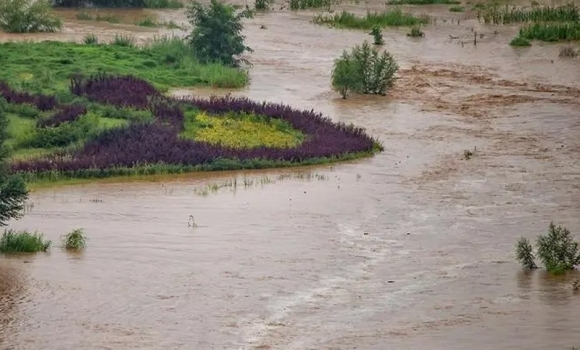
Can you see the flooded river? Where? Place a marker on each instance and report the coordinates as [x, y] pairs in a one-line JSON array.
[[410, 249]]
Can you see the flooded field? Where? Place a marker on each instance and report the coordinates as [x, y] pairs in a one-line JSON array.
[[410, 249]]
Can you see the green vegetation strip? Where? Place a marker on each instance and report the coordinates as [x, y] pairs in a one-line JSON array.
[[551, 32], [424, 2], [388, 18], [47, 66]]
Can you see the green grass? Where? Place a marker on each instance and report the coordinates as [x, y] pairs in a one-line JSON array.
[[163, 4], [90, 39], [46, 66], [416, 32], [241, 131], [423, 2], [23, 242], [456, 9], [506, 15], [387, 18], [551, 32], [74, 240], [147, 22], [519, 41], [306, 4]]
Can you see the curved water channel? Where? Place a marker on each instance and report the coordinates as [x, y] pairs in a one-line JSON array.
[[410, 249]]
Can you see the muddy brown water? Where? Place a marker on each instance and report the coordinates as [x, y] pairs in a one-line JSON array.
[[410, 249]]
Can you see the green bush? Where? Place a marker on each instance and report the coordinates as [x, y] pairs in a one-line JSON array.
[[557, 250], [75, 240], [262, 4], [364, 70], [377, 36], [217, 33], [519, 41], [23, 242], [123, 40], [90, 39], [64, 134], [27, 16]]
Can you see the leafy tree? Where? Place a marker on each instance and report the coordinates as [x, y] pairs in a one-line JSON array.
[[13, 191], [525, 253], [364, 70], [27, 16], [216, 36]]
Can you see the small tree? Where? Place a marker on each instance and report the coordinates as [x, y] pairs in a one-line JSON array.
[[216, 36], [364, 70], [27, 16], [13, 191], [557, 250], [377, 36]]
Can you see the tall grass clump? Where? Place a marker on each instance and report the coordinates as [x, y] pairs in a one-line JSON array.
[[416, 32], [423, 2], [388, 18], [23, 242], [456, 9], [306, 4], [27, 16], [123, 40], [163, 4], [505, 15], [551, 32], [74, 240], [519, 41], [90, 39], [147, 22], [364, 70], [377, 36], [84, 16], [557, 250], [262, 4], [568, 51]]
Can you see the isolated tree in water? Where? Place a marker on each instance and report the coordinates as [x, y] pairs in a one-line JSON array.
[[217, 33], [13, 191]]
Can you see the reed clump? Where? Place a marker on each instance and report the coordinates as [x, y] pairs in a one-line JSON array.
[[551, 32], [506, 15], [74, 240], [23, 242], [388, 18]]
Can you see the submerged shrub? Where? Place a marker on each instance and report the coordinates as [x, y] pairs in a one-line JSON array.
[[364, 70], [551, 32], [261, 4], [557, 250], [416, 32], [388, 18], [519, 41], [123, 40], [305, 4], [74, 240], [90, 39], [568, 51], [27, 16], [505, 15], [377, 36], [23, 242]]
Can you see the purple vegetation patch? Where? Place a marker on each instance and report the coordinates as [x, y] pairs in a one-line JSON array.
[[42, 102], [66, 114]]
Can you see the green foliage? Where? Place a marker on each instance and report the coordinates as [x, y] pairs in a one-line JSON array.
[[557, 250], [90, 39], [217, 33], [551, 32], [377, 36], [98, 3], [163, 4], [416, 32], [519, 41], [306, 4], [74, 240], [62, 135], [505, 15], [23, 242], [456, 9], [13, 192], [387, 18], [241, 131], [262, 4], [423, 2], [40, 67], [124, 40], [364, 70], [27, 16], [525, 253], [147, 22]]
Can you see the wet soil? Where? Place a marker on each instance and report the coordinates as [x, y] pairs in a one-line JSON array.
[[412, 248]]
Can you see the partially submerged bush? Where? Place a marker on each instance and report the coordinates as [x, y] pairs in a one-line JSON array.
[[377, 36], [75, 240], [551, 31], [364, 70], [557, 250], [27, 16], [519, 41], [388, 18], [90, 39], [261, 4], [23, 242], [416, 32], [568, 51], [123, 40], [305, 4]]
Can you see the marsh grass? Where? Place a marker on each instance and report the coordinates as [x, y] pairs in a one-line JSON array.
[[86, 16], [123, 40], [568, 51], [27, 16], [262, 4], [416, 32], [165, 61], [74, 240], [456, 9], [424, 2], [241, 131], [91, 39], [506, 15], [306, 4], [147, 22], [163, 4], [520, 42], [23, 242], [551, 32], [388, 18]]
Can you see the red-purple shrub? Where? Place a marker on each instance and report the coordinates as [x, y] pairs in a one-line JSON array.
[[66, 114], [167, 111], [123, 91], [42, 102]]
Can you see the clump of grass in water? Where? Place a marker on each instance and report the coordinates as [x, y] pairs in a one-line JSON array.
[[568, 51], [519, 41], [163, 4], [124, 40], [505, 15], [172, 25], [90, 39], [387, 18], [74, 240], [456, 9], [551, 32], [416, 32], [23, 242], [108, 18], [377, 36], [84, 16], [147, 22], [468, 154], [261, 4], [306, 4], [423, 2]]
